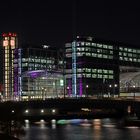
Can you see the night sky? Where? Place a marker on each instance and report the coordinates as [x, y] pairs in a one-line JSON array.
[[55, 22]]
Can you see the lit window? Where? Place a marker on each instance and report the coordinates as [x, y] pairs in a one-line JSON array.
[[120, 53], [138, 51], [87, 43], [82, 43], [105, 46], [110, 77], [121, 48], [105, 76], [84, 75], [125, 58], [79, 70], [121, 58], [79, 75], [78, 43], [88, 70], [110, 71], [78, 49], [88, 49], [94, 54], [61, 82], [93, 44], [99, 45], [110, 47], [94, 75], [130, 54], [69, 50], [105, 71], [111, 52], [124, 54], [125, 49], [99, 76], [129, 50], [79, 54], [134, 55], [94, 70], [99, 55], [88, 75], [88, 54], [68, 55], [99, 70], [99, 50], [134, 59], [110, 57], [105, 56]]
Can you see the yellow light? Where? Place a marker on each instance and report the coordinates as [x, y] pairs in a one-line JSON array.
[[12, 42], [5, 43], [26, 111], [42, 111]]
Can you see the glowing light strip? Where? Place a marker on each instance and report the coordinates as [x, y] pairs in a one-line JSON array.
[[74, 81]]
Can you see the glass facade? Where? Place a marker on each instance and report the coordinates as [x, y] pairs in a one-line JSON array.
[[39, 73], [129, 54], [96, 67], [90, 66], [31, 73]]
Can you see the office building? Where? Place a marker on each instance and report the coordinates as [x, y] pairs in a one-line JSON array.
[[31, 72], [96, 67]]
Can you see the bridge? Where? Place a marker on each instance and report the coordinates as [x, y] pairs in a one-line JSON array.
[[69, 108]]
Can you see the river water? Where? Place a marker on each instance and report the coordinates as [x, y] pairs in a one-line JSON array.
[[77, 129]]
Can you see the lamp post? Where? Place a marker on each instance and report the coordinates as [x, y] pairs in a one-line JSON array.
[[115, 86], [68, 90], [134, 90], [110, 86], [86, 90]]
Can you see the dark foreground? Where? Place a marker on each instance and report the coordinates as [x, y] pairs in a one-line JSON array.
[[6, 137]]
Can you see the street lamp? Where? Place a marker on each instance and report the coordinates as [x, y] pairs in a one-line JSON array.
[[110, 86], [115, 85], [134, 90], [114, 89], [86, 90]]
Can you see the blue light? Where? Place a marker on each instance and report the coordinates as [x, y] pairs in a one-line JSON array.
[[74, 67]]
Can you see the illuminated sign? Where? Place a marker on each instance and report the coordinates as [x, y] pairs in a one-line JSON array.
[[5, 43], [12, 42]]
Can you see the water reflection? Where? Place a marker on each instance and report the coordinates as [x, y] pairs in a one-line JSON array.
[[97, 124], [78, 129], [53, 124]]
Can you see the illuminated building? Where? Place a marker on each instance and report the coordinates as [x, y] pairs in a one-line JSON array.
[[30, 72], [95, 67], [9, 44], [39, 73]]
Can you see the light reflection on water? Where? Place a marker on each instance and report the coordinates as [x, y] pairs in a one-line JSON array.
[[97, 129]]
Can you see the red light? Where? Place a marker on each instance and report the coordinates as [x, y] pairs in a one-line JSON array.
[[9, 34], [4, 34]]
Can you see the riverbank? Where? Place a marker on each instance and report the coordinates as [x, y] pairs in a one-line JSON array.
[[7, 137]]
